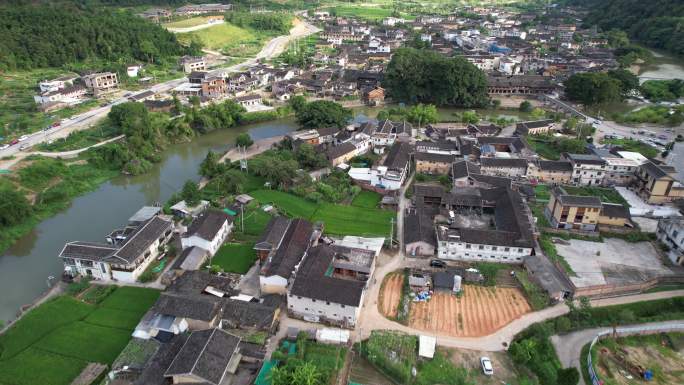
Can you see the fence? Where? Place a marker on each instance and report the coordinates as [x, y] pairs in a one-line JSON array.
[[602, 291], [593, 376]]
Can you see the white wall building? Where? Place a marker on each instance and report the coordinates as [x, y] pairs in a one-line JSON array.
[[208, 231], [671, 233], [464, 245]]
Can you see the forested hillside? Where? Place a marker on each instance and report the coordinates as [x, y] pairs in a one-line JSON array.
[[51, 36], [655, 23]]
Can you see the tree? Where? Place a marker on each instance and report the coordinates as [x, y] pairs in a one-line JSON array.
[[628, 81], [383, 115], [297, 102], [418, 76], [470, 117], [525, 106], [209, 166], [568, 376], [563, 324], [307, 374], [592, 88], [307, 157], [422, 114], [537, 113], [14, 207], [322, 113], [243, 140], [232, 181], [190, 193]]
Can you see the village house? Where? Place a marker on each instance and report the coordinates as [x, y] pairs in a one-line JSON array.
[[387, 132], [57, 83], [419, 234], [248, 101], [508, 167], [537, 127], [126, 255], [520, 85], [156, 14], [208, 231], [587, 170], [200, 9], [206, 357], [319, 297], [429, 163], [620, 171], [550, 171], [655, 185], [101, 82], [279, 267], [270, 240]]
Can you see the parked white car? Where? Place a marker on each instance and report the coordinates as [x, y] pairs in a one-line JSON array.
[[23, 138], [4, 146], [486, 364]]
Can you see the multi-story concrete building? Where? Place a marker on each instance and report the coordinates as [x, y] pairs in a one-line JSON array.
[[193, 63], [587, 170], [671, 233], [655, 185], [550, 171], [102, 82], [620, 171], [429, 163], [508, 167], [566, 211]]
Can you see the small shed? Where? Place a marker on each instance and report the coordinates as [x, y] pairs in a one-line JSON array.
[[244, 199], [419, 280], [443, 281], [332, 336], [426, 346]]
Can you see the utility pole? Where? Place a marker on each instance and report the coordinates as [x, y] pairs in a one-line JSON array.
[[391, 234], [242, 218]]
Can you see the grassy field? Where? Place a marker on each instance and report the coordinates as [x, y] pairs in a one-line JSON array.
[[229, 39], [235, 257], [187, 23], [18, 112], [338, 219], [367, 199], [635, 146], [607, 195], [54, 342]]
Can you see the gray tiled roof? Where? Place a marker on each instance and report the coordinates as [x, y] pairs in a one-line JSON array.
[[205, 355], [295, 243], [143, 238], [208, 224], [312, 282]]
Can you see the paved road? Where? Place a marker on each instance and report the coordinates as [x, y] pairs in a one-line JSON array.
[[569, 346], [87, 119]]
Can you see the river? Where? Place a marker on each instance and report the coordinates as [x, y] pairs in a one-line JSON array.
[[26, 266]]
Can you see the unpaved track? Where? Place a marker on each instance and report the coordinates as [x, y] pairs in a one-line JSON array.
[[391, 295]]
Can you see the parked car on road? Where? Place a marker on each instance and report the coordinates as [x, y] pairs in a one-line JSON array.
[[487, 368], [14, 141], [4, 146], [24, 146], [23, 138], [437, 263]]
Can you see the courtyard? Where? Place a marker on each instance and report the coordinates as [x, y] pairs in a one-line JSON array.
[[613, 261]]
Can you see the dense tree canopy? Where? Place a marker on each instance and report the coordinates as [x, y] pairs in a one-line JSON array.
[[416, 76], [591, 88], [320, 114], [657, 24], [14, 208], [35, 36], [276, 22]]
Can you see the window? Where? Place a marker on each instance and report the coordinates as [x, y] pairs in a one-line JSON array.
[[86, 263], [298, 297], [342, 306], [520, 250], [306, 308], [313, 300], [327, 302], [494, 248], [467, 246], [69, 261], [481, 247], [507, 249]]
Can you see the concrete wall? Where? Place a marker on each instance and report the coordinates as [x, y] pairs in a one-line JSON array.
[[272, 285], [343, 315], [476, 252]]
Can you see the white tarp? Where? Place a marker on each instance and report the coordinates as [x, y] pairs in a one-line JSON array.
[[354, 242], [358, 173], [426, 346], [332, 336]]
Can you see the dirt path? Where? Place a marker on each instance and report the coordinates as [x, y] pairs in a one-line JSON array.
[[257, 148], [391, 295]]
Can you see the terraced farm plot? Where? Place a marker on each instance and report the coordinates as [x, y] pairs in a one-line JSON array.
[[390, 295], [479, 312]]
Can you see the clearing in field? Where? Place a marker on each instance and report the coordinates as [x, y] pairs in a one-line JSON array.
[[228, 38], [390, 294], [235, 257], [54, 342], [623, 361], [191, 22], [338, 219]]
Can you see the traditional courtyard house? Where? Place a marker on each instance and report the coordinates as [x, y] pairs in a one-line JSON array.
[[272, 237], [419, 234], [429, 163], [550, 171], [208, 231], [316, 295], [509, 167], [277, 271]]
